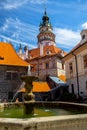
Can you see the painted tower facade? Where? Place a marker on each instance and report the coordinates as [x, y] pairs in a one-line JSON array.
[[46, 37]]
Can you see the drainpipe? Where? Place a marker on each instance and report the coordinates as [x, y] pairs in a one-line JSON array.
[[76, 73]]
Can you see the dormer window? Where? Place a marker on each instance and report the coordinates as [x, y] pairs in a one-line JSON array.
[[83, 37], [48, 52]]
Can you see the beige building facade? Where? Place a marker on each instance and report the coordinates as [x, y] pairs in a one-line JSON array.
[[76, 67], [47, 66]]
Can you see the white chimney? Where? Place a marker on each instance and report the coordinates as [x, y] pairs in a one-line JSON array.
[[41, 49]]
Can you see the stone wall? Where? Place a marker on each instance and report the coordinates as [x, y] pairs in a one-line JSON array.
[[10, 85]]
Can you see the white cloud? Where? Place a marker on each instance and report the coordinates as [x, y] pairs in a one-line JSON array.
[[5, 27], [10, 40], [11, 4], [18, 32], [84, 25], [66, 38]]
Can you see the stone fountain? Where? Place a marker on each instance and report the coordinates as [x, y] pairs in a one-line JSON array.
[[64, 122], [29, 98]]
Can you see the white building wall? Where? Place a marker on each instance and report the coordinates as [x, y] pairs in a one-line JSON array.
[[82, 73]]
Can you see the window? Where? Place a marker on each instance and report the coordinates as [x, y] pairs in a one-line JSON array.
[[72, 87], [47, 65], [83, 37], [14, 76], [62, 66], [8, 75], [85, 61], [70, 67], [11, 75]]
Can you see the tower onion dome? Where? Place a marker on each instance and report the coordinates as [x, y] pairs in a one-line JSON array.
[[45, 20], [46, 31]]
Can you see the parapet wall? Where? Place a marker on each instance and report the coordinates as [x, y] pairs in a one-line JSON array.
[[70, 122]]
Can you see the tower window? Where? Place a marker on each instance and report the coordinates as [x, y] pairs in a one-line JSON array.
[[83, 37]]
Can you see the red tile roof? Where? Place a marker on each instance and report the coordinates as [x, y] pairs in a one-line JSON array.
[[8, 56], [53, 49], [38, 87]]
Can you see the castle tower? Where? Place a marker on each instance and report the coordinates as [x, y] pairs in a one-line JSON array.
[[26, 52], [46, 37], [20, 50]]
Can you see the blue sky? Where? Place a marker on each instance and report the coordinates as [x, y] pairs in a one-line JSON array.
[[20, 19]]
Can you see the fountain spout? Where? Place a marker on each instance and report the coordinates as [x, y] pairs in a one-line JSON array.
[[29, 99]]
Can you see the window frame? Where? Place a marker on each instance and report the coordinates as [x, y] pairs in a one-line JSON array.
[[47, 65], [85, 61], [71, 67], [9, 75]]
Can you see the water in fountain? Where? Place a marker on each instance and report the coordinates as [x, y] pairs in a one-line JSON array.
[[46, 110]]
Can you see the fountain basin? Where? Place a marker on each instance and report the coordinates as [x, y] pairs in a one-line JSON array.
[[70, 122]]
